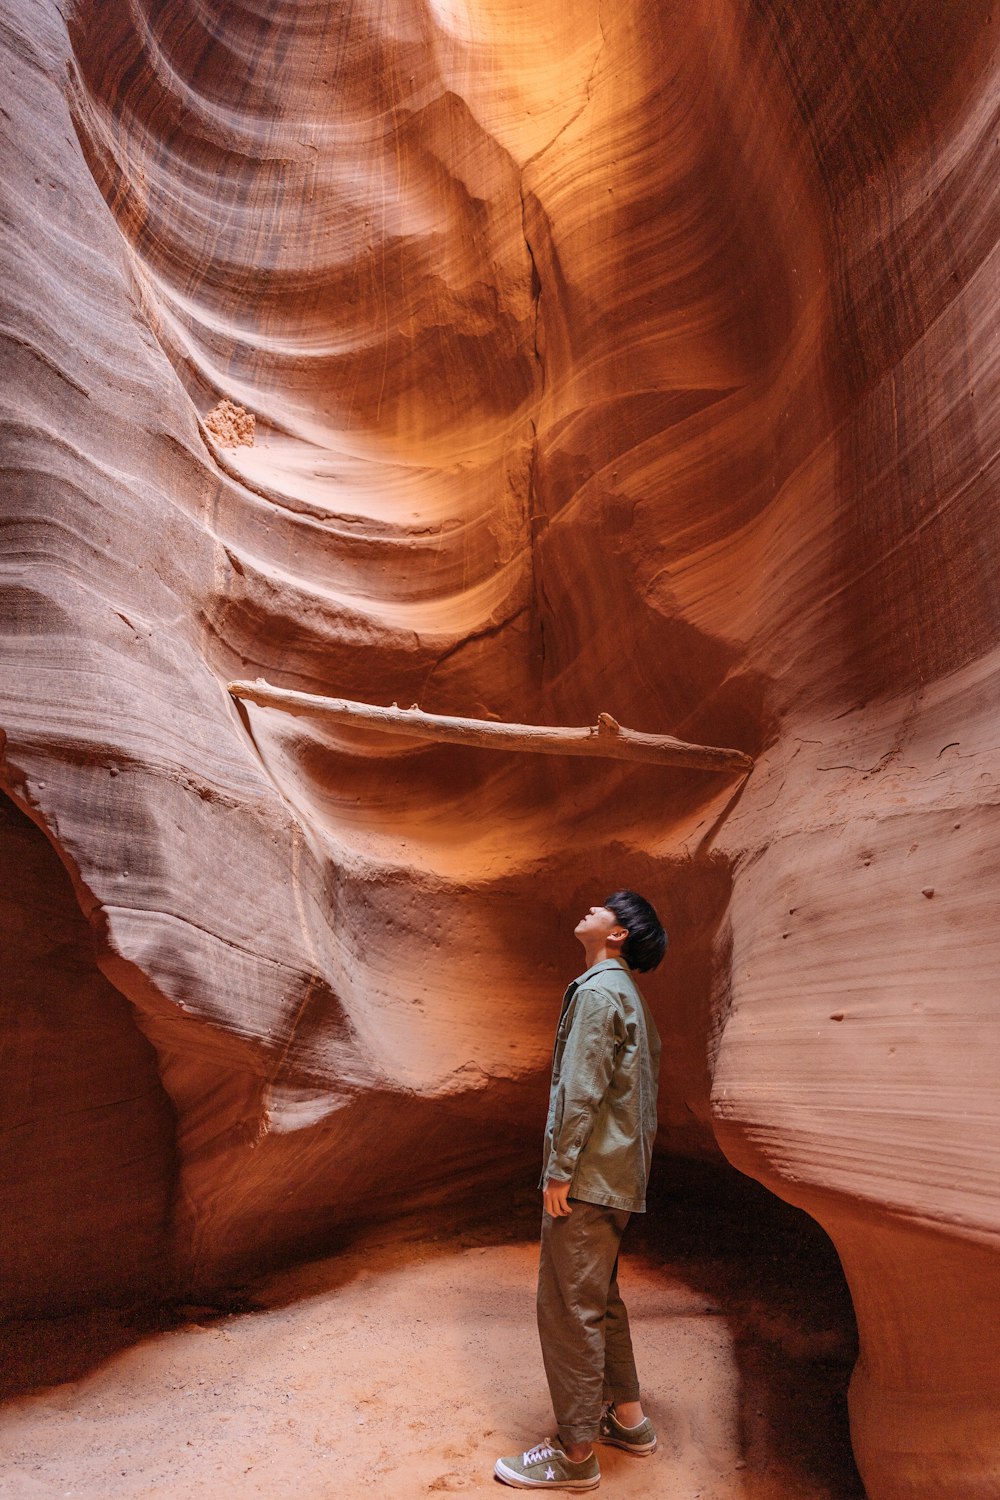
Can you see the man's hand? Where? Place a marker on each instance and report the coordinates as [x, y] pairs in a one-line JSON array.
[[556, 1199]]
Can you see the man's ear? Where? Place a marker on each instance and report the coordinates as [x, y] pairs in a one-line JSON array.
[[619, 935]]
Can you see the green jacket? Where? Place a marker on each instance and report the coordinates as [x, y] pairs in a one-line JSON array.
[[602, 1104]]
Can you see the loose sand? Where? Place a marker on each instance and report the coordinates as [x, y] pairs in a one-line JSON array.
[[403, 1369]]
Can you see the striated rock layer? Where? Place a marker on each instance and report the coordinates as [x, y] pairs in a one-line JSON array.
[[641, 361]]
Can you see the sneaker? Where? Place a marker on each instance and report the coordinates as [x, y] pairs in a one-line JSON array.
[[639, 1440], [546, 1467]]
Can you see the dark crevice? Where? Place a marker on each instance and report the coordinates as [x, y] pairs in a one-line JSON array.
[[536, 519], [771, 1273], [89, 1167]]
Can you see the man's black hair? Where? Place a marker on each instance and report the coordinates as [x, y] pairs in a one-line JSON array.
[[647, 941]]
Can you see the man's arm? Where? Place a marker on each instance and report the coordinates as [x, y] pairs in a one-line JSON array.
[[588, 1062]]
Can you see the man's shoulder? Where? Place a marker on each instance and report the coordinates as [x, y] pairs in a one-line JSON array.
[[594, 990], [612, 977], [610, 986]]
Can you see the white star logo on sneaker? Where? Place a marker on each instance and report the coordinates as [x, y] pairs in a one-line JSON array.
[[550, 1472]]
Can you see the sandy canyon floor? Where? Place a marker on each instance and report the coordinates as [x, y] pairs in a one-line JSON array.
[[401, 1369]]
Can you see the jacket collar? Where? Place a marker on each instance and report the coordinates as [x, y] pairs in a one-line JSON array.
[[605, 963], [595, 968]]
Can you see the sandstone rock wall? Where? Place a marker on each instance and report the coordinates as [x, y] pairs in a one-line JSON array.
[[640, 360]]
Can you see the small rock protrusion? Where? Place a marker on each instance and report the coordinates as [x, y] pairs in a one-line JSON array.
[[927, 891], [231, 426], [836, 1015]]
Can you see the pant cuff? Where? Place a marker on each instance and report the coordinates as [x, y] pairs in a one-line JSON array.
[[575, 1432], [624, 1393]]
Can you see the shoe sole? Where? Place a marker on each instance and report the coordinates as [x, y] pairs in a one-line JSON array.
[[638, 1450], [510, 1476]]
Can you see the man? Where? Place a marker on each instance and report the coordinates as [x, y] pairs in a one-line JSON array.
[[598, 1145]]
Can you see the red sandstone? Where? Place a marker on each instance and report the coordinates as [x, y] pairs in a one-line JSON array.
[[638, 358]]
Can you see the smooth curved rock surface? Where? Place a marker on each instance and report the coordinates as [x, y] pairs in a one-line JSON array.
[[641, 362]]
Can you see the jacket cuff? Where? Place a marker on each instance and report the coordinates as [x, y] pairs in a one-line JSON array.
[[562, 1164]]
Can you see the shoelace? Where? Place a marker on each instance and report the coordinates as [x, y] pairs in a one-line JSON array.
[[539, 1453]]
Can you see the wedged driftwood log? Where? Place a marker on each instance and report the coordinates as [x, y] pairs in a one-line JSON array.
[[606, 738]]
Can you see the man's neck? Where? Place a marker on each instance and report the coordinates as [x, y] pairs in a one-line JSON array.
[[598, 955]]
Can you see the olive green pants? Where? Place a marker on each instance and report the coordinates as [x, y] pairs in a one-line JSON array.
[[582, 1322]]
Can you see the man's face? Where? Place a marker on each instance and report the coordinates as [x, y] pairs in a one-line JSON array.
[[598, 925]]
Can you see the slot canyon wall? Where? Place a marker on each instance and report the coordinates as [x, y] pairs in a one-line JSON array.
[[636, 358]]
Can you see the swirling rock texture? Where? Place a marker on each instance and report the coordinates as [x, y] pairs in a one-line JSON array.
[[638, 358]]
